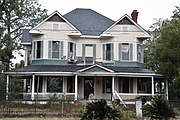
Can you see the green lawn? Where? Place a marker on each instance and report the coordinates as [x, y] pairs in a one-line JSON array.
[[39, 119]]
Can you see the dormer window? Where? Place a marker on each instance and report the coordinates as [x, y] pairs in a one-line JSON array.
[[55, 26]]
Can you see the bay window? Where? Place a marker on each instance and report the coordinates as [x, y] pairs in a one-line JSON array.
[[38, 49], [139, 53], [125, 51], [108, 51], [55, 49]]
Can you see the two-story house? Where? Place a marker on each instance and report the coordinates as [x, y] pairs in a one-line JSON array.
[[82, 53]]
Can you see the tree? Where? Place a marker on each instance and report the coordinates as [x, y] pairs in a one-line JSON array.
[[163, 54], [20, 65], [159, 108], [14, 15]]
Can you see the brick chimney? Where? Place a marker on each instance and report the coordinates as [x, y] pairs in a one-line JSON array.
[[134, 15]]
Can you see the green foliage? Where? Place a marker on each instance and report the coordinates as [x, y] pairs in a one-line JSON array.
[[14, 15], [20, 65], [15, 87], [162, 52], [159, 108], [174, 89], [3, 86], [100, 111]]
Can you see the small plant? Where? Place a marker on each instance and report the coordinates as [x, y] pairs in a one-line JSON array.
[[99, 110], [159, 108]]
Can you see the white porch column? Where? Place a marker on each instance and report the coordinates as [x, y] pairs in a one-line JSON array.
[[112, 88], [76, 88], [7, 87], [152, 81], [32, 90], [167, 89]]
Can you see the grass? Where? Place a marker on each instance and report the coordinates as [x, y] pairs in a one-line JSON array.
[[39, 119]]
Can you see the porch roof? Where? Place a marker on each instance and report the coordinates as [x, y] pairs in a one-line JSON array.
[[75, 69]]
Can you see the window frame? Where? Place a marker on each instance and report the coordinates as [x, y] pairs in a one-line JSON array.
[[38, 53], [107, 84], [55, 26], [50, 49]]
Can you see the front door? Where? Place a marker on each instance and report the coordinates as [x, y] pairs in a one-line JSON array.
[[88, 86]]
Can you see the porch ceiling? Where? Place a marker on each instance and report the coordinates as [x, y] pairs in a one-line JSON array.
[[82, 70]]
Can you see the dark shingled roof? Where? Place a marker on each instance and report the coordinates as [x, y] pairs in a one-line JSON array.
[[73, 68], [26, 38], [89, 22]]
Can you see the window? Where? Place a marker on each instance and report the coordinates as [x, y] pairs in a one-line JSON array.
[[143, 85], [125, 85], [55, 49], [38, 49], [126, 51], [108, 52], [125, 29], [55, 26], [139, 53], [29, 57], [70, 84], [71, 50], [55, 84], [38, 83], [107, 85]]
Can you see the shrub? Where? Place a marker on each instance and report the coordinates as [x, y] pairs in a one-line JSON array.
[[159, 108], [99, 110]]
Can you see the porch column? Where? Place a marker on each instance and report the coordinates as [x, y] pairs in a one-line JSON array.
[[152, 81], [32, 90], [167, 89], [112, 88], [7, 87], [76, 88]]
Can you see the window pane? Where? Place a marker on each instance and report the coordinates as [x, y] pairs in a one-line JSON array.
[[108, 52], [55, 49], [70, 84], [125, 29], [38, 51], [125, 51], [55, 26], [107, 84], [55, 84]]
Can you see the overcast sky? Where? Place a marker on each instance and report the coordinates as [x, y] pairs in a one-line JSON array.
[[114, 9]]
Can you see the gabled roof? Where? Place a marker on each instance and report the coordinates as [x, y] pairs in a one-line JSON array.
[[95, 68], [55, 13], [128, 17], [88, 21]]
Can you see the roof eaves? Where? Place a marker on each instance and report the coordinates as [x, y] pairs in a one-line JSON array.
[[55, 12], [136, 24]]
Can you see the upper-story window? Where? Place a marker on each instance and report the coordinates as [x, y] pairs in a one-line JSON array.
[[71, 50], [55, 49], [55, 26], [125, 51], [125, 29], [139, 53], [38, 49], [108, 51]]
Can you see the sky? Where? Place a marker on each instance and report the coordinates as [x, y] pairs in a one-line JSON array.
[[149, 10]]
